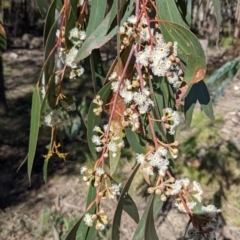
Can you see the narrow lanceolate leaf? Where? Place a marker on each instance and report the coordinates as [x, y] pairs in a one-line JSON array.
[[150, 231], [136, 141], [70, 23], [167, 10], [74, 8], [49, 42], [94, 120], [97, 13], [139, 233], [85, 232], [131, 209], [157, 206], [71, 234], [217, 9], [101, 35], [190, 50], [42, 6], [34, 128], [50, 19]]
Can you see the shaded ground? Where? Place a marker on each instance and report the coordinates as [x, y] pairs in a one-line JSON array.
[[39, 213]]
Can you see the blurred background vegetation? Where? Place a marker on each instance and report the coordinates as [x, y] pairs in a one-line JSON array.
[[209, 153]]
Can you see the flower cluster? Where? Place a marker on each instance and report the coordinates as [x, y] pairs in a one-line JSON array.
[[97, 177], [204, 225], [68, 56], [114, 142], [172, 116], [154, 160], [97, 100], [68, 106], [155, 53], [101, 220], [54, 118]]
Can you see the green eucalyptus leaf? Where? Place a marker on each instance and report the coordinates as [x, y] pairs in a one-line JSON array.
[[85, 232], [97, 71], [139, 233], [34, 129], [101, 35], [50, 19], [167, 10], [130, 208], [70, 23], [94, 120], [42, 6], [71, 234], [217, 8], [185, 9], [49, 42], [190, 50], [74, 8], [157, 206], [150, 231], [123, 199], [136, 141], [97, 13]]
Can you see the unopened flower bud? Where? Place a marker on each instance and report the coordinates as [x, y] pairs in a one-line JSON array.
[[150, 190], [158, 191], [163, 198]]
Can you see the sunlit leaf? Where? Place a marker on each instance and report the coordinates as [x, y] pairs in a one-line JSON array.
[[94, 120], [167, 10], [101, 35], [34, 128], [97, 13], [190, 50], [121, 202]]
